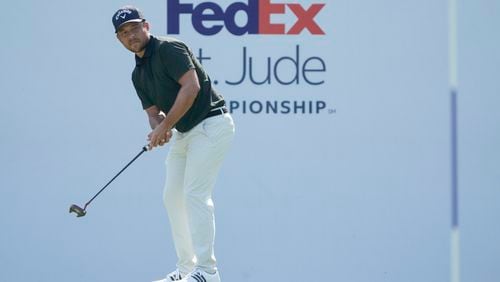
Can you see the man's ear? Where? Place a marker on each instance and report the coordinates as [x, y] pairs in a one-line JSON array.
[[146, 25]]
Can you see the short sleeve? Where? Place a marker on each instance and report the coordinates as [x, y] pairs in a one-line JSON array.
[[176, 58]]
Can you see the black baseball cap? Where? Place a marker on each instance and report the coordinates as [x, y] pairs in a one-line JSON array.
[[127, 14]]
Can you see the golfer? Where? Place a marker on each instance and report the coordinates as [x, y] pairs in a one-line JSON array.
[[186, 111]]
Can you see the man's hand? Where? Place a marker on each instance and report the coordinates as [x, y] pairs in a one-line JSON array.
[[159, 136]]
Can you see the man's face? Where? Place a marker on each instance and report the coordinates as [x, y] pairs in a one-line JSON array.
[[134, 36]]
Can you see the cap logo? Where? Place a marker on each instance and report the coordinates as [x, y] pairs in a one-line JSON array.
[[123, 14]]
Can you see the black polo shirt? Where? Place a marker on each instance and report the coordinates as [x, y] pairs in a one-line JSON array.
[[156, 77]]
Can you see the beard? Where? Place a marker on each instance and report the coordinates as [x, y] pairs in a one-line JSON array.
[[137, 46]]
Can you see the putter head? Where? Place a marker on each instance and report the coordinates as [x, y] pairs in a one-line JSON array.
[[76, 209]]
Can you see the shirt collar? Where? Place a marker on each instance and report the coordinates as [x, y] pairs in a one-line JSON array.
[[147, 53]]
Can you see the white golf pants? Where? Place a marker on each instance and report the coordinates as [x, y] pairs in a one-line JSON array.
[[192, 166]]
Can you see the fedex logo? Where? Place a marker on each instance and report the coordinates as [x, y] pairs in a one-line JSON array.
[[208, 18]]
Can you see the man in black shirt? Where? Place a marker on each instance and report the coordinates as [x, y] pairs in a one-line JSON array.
[[186, 111]]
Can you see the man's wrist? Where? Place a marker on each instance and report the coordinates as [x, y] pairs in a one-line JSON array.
[[154, 121], [165, 124]]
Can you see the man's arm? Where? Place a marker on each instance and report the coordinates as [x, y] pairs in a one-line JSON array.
[[155, 116], [190, 86]]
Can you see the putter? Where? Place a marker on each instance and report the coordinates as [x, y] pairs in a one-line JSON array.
[[83, 211]]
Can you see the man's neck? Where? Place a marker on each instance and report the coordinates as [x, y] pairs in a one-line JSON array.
[[140, 54]]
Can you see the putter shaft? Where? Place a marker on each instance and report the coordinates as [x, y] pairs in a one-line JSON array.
[[81, 212]]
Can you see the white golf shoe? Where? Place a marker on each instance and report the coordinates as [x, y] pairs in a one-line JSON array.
[[199, 275], [172, 276]]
